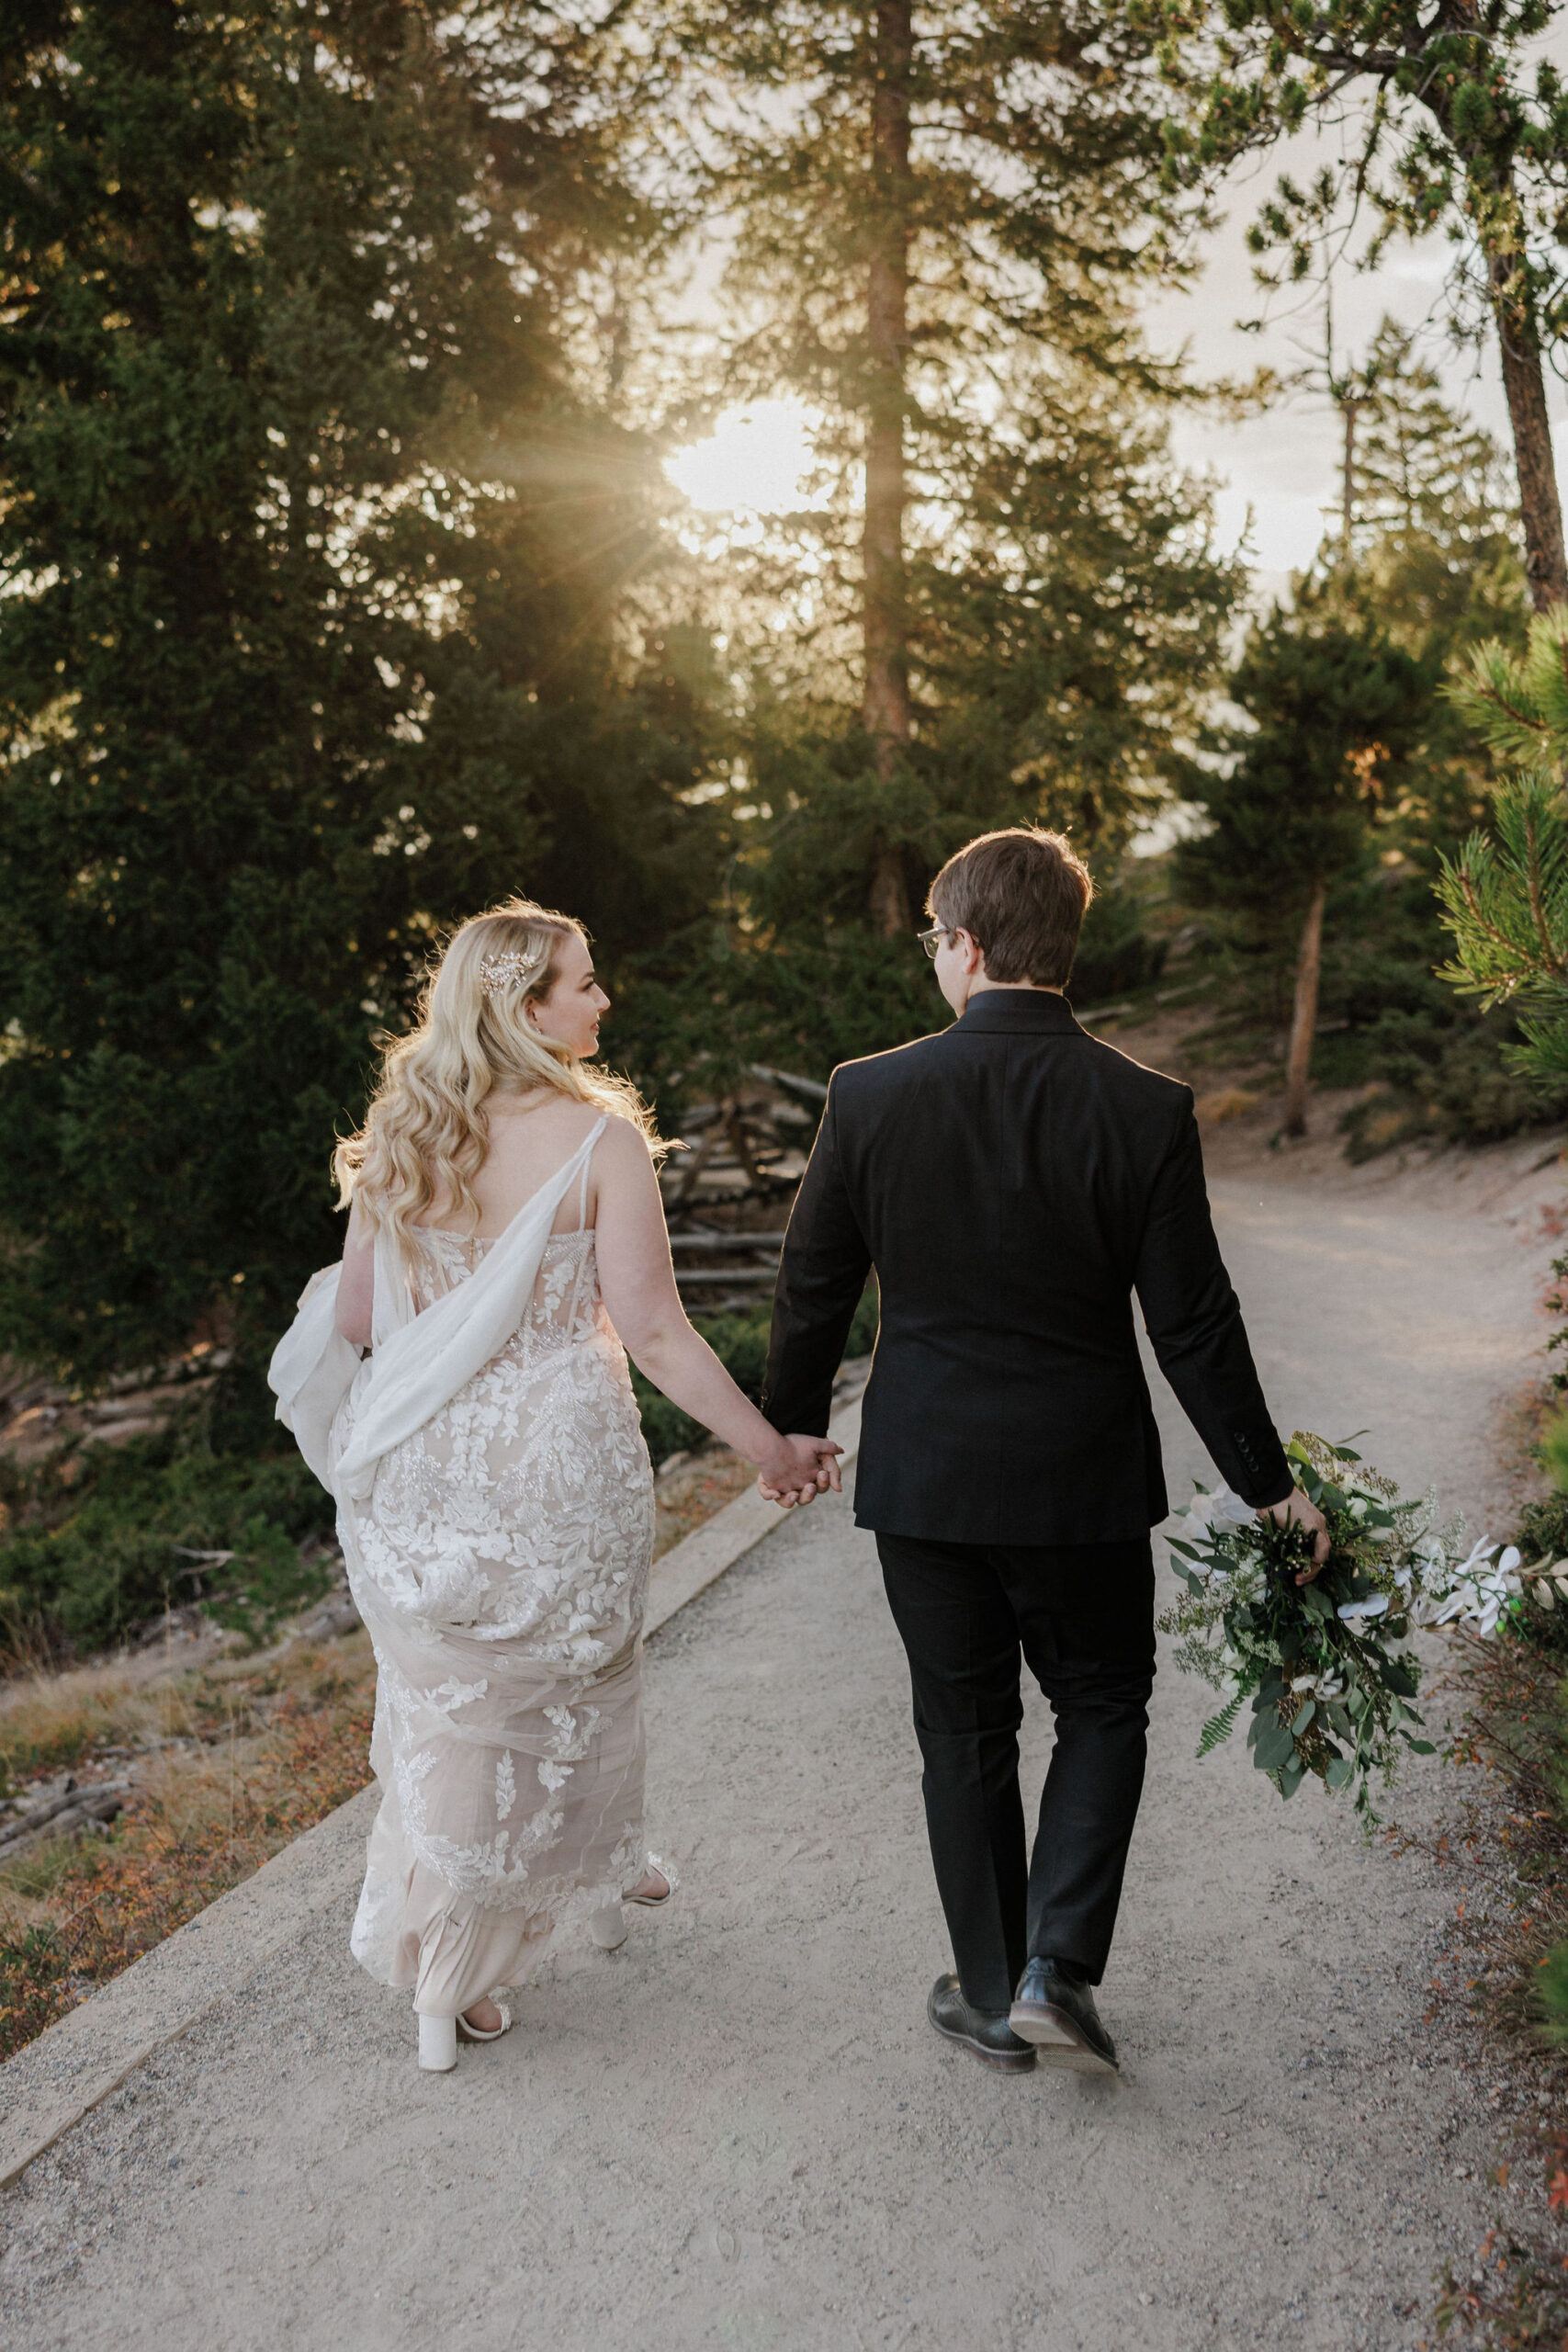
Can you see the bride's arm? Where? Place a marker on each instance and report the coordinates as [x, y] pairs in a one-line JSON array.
[[357, 1284], [637, 1280]]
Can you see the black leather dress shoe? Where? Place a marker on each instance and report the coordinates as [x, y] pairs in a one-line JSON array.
[[1057, 2012], [985, 2031]]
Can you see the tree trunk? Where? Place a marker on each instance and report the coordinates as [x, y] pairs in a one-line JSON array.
[[1303, 1017], [1500, 227], [1524, 384], [885, 705], [1351, 406]]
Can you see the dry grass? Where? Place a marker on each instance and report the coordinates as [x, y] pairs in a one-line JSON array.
[[1514, 1726], [50, 1722], [230, 1761], [695, 1491], [1225, 1102]]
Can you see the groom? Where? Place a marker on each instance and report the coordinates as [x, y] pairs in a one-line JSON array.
[[1013, 1182]]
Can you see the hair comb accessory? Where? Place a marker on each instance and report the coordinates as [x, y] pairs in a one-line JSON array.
[[498, 972]]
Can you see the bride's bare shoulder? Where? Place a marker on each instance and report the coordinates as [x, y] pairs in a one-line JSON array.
[[623, 1143], [525, 1121]]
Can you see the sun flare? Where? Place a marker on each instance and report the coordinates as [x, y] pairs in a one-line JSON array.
[[755, 460]]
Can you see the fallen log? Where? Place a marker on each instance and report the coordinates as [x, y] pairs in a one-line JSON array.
[[71, 1809]]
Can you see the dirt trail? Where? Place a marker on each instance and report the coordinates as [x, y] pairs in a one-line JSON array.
[[739, 2132]]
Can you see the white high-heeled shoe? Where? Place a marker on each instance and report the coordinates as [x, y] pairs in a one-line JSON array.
[[438, 2039], [608, 1926], [657, 1902], [437, 2044], [481, 2033]]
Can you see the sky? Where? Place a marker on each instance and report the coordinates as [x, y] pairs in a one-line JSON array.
[[1284, 464]]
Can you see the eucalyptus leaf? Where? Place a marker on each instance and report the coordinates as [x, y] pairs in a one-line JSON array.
[[1274, 1744]]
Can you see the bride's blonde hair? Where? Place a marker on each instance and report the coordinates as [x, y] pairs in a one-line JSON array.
[[427, 1131]]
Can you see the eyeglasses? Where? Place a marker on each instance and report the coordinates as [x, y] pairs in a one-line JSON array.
[[932, 939]]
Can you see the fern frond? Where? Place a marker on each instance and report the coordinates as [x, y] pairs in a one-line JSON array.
[[1218, 1728]]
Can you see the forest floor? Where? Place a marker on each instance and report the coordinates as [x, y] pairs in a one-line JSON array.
[[739, 2130]]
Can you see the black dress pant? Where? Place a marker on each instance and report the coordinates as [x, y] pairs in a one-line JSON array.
[[1082, 1615]]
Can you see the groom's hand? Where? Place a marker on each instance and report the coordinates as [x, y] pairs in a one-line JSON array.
[[801, 1469], [1296, 1511]]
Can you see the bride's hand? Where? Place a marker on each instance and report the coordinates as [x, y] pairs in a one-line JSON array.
[[799, 1469]]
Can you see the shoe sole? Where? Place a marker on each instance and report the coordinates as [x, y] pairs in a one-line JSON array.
[[1001, 2062], [1059, 2039]]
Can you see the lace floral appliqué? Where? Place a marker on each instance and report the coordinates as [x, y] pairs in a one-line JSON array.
[[503, 1559]]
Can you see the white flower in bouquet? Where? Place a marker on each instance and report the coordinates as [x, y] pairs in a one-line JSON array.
[[1223, 1508], [1320, 1686], [1483, 1587]]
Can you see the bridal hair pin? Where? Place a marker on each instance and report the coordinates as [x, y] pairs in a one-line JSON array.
[[498, 972]]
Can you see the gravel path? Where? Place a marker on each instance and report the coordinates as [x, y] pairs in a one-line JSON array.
[[739, 2130]]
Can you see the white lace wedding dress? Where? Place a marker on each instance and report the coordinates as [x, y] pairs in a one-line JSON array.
[[498, 1550]]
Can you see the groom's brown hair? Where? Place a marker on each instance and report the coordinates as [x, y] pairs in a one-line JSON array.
[[1021, 894]]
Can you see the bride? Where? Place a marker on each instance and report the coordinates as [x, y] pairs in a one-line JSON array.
[[460, 1384]]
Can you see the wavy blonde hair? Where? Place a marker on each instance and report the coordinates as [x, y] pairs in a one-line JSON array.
[[427, 1131]]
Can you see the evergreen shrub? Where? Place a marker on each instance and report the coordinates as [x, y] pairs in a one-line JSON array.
[[91, 1537]]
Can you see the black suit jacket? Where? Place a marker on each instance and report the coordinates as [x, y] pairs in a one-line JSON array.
[[1014, 1180]]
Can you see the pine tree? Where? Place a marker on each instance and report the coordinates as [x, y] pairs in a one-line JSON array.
[[1334, 716], [1434, 561], [1435, 519], [315, 563], [1067, 614], [1431, 565], [940, 216], [1465, 130]]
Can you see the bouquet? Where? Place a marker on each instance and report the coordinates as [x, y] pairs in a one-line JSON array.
[[1326, 1664]]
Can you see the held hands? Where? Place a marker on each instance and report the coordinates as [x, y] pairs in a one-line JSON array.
[[1296, 1511], [798, 1469]]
